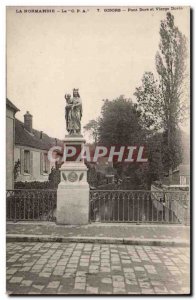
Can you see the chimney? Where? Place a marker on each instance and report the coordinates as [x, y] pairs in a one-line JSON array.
[[41, 135], [28, 122]]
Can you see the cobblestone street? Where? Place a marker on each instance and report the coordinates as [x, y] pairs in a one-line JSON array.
[[79, 268]]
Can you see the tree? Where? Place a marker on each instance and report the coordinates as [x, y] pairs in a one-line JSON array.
[[92, 127], [149, 99], [120, 123], [161, 97]]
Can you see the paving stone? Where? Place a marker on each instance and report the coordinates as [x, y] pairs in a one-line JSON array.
[[119, 291], [38, 287], [26, 283], [95, 267], [53, 284], [106, 280], [161, 290], [76, 268], [128, 270], [144, 285], [105, 270], [117, 268], [82, 264], [25, 269], [92, 290], [79, 286], [58, 273], [38, 267], [81, 273], [105, 292], [11, 271], [80, 279], [118, 278], [119, 284], [147, 291], [44, 274], [15, 279], [139, 269]]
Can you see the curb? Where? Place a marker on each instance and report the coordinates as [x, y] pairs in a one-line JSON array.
[[103, 240]]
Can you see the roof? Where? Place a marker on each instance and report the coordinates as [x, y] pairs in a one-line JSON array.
[[11, 105], [25, 138]]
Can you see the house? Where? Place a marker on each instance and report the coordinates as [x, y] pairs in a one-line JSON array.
[[11, 110], [31, 151], [181, 175]]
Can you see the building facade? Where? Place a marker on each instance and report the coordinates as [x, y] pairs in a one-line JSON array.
[[31, 151], [11, 110], [27, 150]]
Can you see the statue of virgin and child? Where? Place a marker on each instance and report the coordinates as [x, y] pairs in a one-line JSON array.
[[73, 113]]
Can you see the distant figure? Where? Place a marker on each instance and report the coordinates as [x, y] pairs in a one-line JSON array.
[[73, 112]]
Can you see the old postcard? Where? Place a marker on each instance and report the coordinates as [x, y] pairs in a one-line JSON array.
[[98, 150]]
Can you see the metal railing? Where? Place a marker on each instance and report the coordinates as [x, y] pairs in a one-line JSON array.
[[105, 206], [139, 206], [30, 205]]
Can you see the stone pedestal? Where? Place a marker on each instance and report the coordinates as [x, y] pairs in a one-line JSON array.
[[73, 190]]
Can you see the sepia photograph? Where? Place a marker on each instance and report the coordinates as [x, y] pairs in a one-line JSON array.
[[98, 163]]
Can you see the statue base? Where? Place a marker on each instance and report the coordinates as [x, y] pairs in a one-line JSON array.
[[73, 190]]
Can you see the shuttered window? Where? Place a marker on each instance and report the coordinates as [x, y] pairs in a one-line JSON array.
[[27, 161], [45, 169], [22, 161], [44, 163], [41, 163]]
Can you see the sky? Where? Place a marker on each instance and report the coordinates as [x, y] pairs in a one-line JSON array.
[[102, 53]]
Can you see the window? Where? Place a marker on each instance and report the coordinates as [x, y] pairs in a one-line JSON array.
[[45, 163], [27, 161]]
